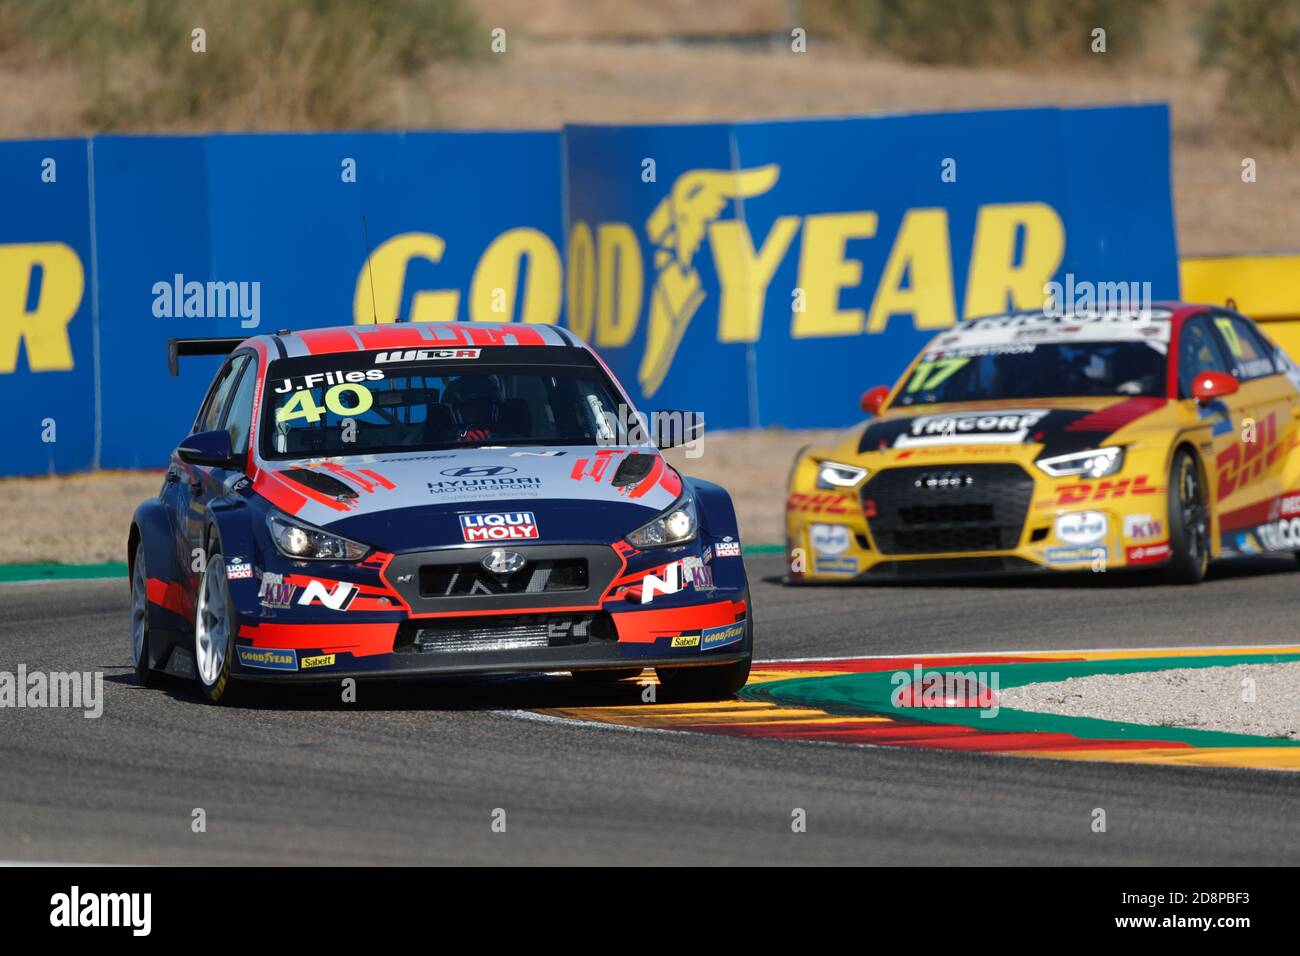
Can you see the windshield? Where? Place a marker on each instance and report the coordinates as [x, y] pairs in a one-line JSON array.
[[1014, 372], [373, 402]]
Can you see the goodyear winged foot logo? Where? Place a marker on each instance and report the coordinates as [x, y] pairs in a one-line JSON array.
[[676, 227]]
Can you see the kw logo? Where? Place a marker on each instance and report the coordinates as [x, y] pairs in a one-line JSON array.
[[676, 228]]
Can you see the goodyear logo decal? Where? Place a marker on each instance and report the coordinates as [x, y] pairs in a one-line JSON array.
[[268, 658], [712, 637], [1015, 250]]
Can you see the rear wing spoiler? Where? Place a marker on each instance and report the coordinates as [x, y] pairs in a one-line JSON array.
[[178, 347]]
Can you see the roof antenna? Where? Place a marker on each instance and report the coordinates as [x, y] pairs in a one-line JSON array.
[[365, 236]]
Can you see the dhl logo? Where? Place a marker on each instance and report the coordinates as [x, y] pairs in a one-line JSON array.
[[1016, 248], [1073, 494], [831, 504], [1245, 461]]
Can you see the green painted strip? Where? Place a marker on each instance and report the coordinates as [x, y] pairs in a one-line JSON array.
[[763, 548], [872, 693], [61, 572]]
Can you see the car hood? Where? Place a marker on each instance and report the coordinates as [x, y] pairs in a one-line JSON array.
[[416, 499], [1060, 426]]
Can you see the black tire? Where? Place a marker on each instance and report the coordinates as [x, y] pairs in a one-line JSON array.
[[146, 675], [606, 677], [214, 600], [715, 681], [1189, 536]]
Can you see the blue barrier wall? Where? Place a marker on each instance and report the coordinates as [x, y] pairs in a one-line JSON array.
[[47, 374], [811, 259], [763, 273]]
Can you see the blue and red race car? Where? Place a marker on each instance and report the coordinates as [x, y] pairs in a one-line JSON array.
[[468, 498]]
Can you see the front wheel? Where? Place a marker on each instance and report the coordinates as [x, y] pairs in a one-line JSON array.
[[1189, 536], [214, 633], [714, 682]]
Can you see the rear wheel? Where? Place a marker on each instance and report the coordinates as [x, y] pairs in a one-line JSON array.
[[145, 674], [214, 637], [1189, 536]]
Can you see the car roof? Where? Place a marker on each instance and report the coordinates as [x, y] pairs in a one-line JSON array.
[[411, 335]]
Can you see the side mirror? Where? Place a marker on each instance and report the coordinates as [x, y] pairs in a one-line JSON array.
[[208, 448], [873, 398], [671, 427], [1211, 385]]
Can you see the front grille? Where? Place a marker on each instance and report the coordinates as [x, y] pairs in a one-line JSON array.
[[446, 580], [937, 510], [537, 577], [504, 633]]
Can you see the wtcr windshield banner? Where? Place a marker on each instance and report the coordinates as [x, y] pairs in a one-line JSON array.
[[760, 273]]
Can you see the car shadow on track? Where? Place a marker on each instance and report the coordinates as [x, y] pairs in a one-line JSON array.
[[512, 692], [1120, 579]]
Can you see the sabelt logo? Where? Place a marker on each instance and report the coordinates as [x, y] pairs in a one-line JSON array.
[[503, 526], [686, 640]]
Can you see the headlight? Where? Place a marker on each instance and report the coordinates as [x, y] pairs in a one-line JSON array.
[[677, 525], [1095, 463], [832, 476], [304, 543]]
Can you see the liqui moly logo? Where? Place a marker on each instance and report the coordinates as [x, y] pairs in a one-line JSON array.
[[504, 526]]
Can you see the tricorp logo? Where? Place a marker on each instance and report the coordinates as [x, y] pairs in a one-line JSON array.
[[502, 526]]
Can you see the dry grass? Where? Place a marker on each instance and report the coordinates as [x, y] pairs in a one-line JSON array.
[[542, 84], [79, 519]]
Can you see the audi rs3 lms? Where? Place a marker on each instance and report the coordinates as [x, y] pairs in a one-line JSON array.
[[458, 498], [1153, 439]]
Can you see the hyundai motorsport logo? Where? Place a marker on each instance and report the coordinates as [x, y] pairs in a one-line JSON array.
[[502, 526]]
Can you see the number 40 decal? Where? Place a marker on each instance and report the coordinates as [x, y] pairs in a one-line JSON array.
[[302, 405]]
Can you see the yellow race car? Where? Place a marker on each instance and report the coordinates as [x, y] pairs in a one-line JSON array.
[[1160, 438]]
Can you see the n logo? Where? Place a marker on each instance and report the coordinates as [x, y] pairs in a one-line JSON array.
[[670, 583], [338, 599]]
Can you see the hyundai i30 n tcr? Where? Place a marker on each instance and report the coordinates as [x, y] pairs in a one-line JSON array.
[[457, 498], [1159, 440]]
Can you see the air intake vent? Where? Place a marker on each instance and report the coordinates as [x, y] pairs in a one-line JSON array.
[[318, 481]]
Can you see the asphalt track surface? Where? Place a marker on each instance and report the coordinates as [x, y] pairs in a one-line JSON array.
[[413, 772]]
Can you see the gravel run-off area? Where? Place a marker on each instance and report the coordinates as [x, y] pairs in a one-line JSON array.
[[1205, 698]]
